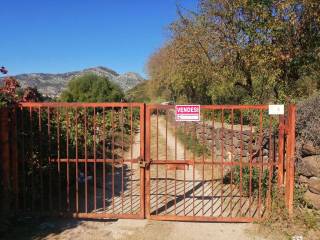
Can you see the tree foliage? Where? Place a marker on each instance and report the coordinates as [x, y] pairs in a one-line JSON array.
[[91, 88], [11, 93], [139, 93], [240, 52]]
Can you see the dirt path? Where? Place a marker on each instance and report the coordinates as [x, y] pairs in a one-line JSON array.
[[66, 229], [176, 150]]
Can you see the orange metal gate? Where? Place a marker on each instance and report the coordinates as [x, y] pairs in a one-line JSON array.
[[225, 168], [82, 159], [131, 160]]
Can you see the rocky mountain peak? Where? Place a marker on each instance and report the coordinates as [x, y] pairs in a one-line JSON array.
[[52, 85]]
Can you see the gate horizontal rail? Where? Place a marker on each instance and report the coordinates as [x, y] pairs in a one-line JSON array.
[[80, 105], [71, 160]]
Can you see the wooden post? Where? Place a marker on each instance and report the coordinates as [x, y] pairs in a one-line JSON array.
[[290, 157]]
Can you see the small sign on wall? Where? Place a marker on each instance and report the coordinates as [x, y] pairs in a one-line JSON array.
[[276, 109], [187, 113]]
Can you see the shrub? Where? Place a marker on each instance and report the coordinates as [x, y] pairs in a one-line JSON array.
[[255, 179], [92, 88], [307, 123]]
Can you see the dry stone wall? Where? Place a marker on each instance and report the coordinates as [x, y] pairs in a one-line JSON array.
[[235, 142], [308, 168]]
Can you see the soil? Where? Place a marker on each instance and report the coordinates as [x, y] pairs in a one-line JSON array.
[[56, 229]]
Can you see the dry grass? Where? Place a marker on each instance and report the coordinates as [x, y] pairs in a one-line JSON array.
[[279, 225]]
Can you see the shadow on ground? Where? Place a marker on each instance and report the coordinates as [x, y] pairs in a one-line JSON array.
[[44, 227]]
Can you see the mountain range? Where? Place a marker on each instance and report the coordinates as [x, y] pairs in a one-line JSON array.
[[52, 85]]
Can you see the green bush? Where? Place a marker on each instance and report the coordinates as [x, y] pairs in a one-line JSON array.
[[257, 177], [92, 88]]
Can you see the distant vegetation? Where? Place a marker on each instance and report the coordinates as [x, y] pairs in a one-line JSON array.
[[92, 88], [140, 93], [240, 52]]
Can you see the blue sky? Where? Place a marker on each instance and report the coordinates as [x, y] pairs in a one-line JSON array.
[[64, 35]]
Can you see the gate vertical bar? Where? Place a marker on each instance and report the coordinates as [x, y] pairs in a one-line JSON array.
[[166, 176], [271, 164], [104, 160], [122, 161], [22, 160], [40, 140], [290, 157], [212, 159], [31, 160], [86, 161], [250, 164], [14, 157], [232, 160], [77, 161], [144, 153], [95, 160], [281, 152], [241, 160], [222, 160], [113, 157], [131, 156], [260, 166], [175, 170], [49, 157], [157, 156], [58, 153], [68, 165]]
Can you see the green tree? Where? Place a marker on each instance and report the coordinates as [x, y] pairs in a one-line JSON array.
[[92, 88], [241, 52]]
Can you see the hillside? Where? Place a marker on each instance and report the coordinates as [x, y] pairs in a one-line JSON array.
[[139, 93], [52, 85]]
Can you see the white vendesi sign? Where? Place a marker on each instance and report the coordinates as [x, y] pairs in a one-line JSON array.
[[276, 109], [187, 113]]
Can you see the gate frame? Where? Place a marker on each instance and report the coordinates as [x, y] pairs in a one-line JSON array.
[[290, 157]]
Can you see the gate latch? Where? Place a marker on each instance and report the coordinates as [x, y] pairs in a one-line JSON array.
[[143, 163]]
